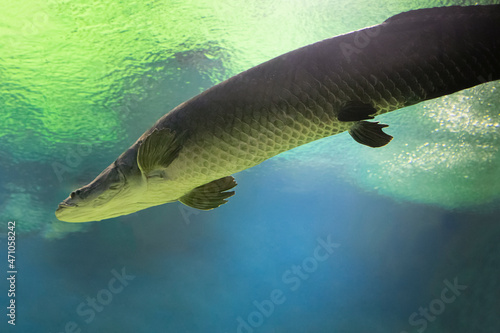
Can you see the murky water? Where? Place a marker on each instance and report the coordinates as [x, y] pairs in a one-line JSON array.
[[330, 237]]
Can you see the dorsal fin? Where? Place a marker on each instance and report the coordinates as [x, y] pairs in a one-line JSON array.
[[425, 14]]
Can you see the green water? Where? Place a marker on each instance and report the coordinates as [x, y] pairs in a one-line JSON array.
[[80, 81]]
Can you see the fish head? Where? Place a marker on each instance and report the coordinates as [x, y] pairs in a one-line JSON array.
[[112, 193]]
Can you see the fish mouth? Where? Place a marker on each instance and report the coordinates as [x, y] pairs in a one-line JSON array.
[[64, 204], [64, 210]]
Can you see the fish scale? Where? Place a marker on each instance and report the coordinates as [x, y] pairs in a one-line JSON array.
[[288, 126], [320, 90], [265, 132]]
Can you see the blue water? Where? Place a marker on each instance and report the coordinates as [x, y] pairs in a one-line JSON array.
[[332, 237], [202, 273]]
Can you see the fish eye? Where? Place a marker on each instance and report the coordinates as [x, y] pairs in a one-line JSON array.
[[75, 193]]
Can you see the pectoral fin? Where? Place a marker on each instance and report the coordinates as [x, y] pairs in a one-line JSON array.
[[158, 150], [370, 134], [210, 195]]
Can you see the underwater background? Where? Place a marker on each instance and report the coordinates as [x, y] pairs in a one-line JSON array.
[[330, 237]]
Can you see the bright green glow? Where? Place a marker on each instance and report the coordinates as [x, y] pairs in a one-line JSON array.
[[97, 73], [73, 71]]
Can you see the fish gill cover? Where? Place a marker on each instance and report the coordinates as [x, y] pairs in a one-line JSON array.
[[81, 80]]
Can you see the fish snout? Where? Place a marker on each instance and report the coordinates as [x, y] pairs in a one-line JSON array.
[[72, 200], [65, 209], [66, 204]]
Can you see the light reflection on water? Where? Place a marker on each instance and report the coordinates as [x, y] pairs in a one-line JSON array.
[[82, 80]]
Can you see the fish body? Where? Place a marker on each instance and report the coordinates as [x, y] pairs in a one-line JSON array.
[[316, 91]]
